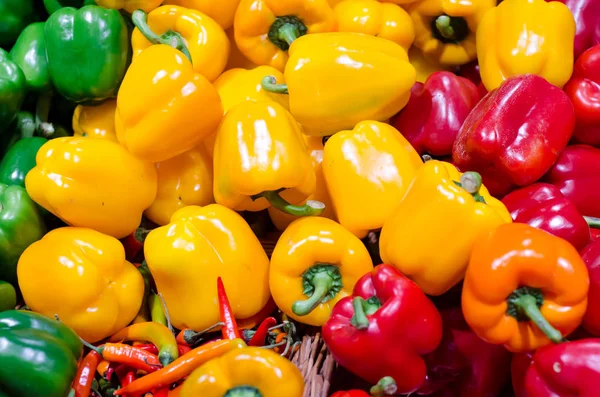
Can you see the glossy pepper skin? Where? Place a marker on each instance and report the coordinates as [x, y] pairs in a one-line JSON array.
[[89, 183], [222, 12], [543, 206], [94, 36], [184, 180], [463, 364], [247, 372], [225, 247], [321, 98], [130, 5], [8, 296], [424, 66], [96, 122], [206, 40], [19, 160], [265, 29], [516, 273], [566, 369], [29, 53], [97, 295], [522, 36], [500, 140], [15, 15], [21, 225], [575, 174], [389, 314], [435, 196], [364, 191], [52, 6], [591, 257], [182, 101], [435, 112], [445, 29], [316, 262], [584, 91], [386, 20], [586, 14], [12, 89], [42, 353]]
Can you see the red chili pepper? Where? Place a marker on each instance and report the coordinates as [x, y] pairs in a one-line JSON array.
[[230, 329], [258, 339], [126, 380], [134, 243], [82, 385], [182, 349], [164, 392], [149, 347], [126, 354], [351, 393]]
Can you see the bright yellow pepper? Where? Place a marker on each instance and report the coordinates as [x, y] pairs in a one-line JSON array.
[[251, 371], [386, 20], [336, 80], [184, 180], [222, 11], [206, 41], [425, 67], [445, 29], [265, 29], [368, 171], [431, 234], [280, 219], [164, 108], [130, 5], [82, 276], [261, 159], [315, 263], [200, 244], [96, 121], [92, 183], [236, 58], [526, 36]]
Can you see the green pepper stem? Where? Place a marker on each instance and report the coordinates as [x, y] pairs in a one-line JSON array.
[[98, 350], [385, 387], [322, 283], [171, 38], [243, 391], [311, 208], [444, 27], [71, 393], [269, 83], [284, 30], [288, 33], [359, 319], [528, 305], [592, 222], [472, 182]]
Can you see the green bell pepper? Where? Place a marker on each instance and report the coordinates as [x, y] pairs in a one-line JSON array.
[[87, 52], [12, 90], [19, 160], [23, 126], [42, 354], [54, 5], [29, 52], [14, 16], [20, 226], [8, 296]]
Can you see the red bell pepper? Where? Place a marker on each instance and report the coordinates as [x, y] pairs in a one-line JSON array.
[[463, 364], [591, 257], [584, 91], [384, 329], [576, 174], [436, 111], [515, 133], [518, 368], [543, 206], [565, 369], [587, 19], [351, 393]]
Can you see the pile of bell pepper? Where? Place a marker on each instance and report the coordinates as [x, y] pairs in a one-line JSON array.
[[188, 187]]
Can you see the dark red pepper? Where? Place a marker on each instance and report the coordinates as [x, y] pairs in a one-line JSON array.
[[518, 368], [591, 257], [587, 19], [351, 393], [464, 365], [515, 133], [384, 329], [544, 206], [436, 111], [259, 337]]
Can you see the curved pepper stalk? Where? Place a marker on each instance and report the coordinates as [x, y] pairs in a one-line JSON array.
[[171, 38]]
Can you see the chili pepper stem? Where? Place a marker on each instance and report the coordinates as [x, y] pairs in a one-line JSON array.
[[166, 311], [243, 391], [527, 303], [359, 319], [322, 283], [269, 83], [592, 222], [311, 208], [385, 387], [92, 347]]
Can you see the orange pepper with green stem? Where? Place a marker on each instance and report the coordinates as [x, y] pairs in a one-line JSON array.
[[152, 332], [96, 121], [221, 11]]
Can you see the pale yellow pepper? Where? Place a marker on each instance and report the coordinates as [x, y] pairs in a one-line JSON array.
[[96, 121]]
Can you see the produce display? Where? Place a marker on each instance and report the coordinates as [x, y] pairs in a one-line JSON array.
[[299, 198]]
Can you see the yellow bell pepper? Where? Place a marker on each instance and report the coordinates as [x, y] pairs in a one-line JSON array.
[[82, 276], [425, 67], [431, 234], [236, 58], [200, 244], [184, 180], [130, 5], [336, 80], [206, 41], [92, 183], [280, 219], [386, 20], [445, 29], [96, 121], [526, 36], [222, 11], [261, 159], [265, 29], [247, 372], [315, 263], [368, 171], [164, 108]]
